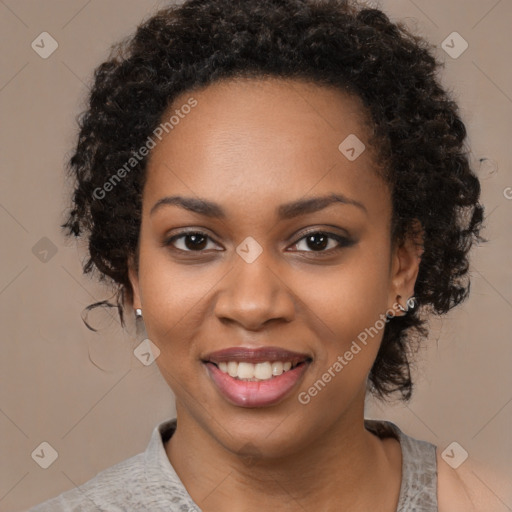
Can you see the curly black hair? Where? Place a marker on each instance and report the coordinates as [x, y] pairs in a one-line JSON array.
[[417, 132]]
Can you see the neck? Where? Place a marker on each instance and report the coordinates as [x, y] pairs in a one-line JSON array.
[[345, 468]]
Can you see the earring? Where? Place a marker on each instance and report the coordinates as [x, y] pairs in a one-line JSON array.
[[410, 304], [138, 313]]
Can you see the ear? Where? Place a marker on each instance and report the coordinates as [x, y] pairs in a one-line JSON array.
[[405, 263], [133, 276]]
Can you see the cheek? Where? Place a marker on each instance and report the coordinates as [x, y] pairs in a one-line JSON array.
[[172, 298], [348, 306], [348, 297], [172, 311], [171, 288]]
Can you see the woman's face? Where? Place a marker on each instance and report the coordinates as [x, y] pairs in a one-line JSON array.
[[275, 265]]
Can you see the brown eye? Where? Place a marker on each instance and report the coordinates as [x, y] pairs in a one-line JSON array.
[[321, 241], [195, 241], [191, 241], [317, 241]]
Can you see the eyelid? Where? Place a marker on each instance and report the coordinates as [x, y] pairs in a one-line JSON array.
[[309, 231], [342, 240], [168, 240]]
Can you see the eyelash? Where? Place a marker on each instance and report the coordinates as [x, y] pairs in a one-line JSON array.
[[342, 241]]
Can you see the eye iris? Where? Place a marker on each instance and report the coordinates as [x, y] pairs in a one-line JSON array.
[[198, 241], [317, 241]]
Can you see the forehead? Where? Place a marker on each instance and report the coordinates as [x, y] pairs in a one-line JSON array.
[[257, 141]]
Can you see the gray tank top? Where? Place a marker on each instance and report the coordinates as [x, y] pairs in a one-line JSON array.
[[418, 490]]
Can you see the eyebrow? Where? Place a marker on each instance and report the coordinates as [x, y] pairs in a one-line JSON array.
[[284, 211]]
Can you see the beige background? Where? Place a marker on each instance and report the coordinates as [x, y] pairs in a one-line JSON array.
[[86, 394]]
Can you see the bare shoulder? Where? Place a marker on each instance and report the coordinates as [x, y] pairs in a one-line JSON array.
[[473, 487], [452, 491]]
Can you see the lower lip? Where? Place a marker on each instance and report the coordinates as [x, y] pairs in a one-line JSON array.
[[252, 393]]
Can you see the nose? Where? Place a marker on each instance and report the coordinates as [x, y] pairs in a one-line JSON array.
[[253, 295]]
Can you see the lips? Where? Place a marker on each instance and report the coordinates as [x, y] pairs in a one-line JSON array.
[[256, 392], [256, 355]]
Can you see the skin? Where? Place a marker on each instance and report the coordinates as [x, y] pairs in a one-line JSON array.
[[251, 146]]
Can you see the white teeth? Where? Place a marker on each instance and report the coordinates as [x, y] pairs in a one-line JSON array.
[[277, 368], [262, 371], [245, 370], [259, 371], [233, 368]]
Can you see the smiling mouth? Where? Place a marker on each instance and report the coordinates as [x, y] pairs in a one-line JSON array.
[[256, 377]]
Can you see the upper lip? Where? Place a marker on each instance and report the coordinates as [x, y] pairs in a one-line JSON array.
[[256, 355]]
